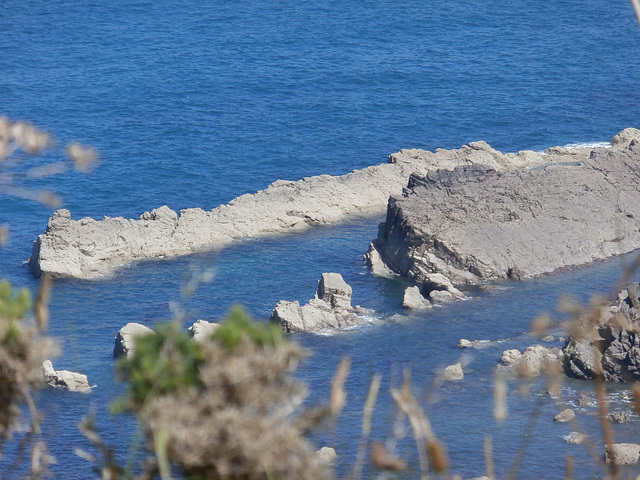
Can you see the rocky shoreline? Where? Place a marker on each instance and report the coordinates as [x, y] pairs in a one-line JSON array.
[[477, 223], [89, 248]]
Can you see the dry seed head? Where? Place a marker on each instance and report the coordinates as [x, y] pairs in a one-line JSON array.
[[437, 456], [50, 199], [635, 394], [499, 397], [4, 235], [338, 394], [41, 306], [82, 157], [5, 128], [383, 460], [540, 325]]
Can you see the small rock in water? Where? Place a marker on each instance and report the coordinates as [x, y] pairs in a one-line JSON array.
[[464, 343], [510, 357], [622, 453], [619, 417], [413, 300], [125, 338], [327, 455], [72, 381], [453, 373], [201, 330], [575, 438], [564, 416], [555, 391], [585, 400], [330, 309]]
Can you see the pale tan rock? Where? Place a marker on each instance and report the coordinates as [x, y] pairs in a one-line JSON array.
[[124, 343], [202, 329], [72, 381], [453, 373], [330, 309], [622, 453]]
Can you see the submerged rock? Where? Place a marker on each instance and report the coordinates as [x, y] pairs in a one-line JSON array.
[[72, 381], [480, 222], [125, 338], [330, 308], [575, 438], [89, 248]]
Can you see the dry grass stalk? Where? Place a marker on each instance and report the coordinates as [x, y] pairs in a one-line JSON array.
[[338, 394], [526, 436], [383, 460], [568, 468], [636, 8], [488, 457], [367, 413], [41, 306], [430, 450], [499, 397], [4, 235]]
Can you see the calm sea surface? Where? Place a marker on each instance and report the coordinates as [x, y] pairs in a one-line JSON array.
[[194, 103]]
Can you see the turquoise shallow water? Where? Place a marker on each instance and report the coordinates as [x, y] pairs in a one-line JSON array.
[[192, 104]]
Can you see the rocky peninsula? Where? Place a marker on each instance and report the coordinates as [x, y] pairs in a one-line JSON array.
[[476, 222], [89, 248]]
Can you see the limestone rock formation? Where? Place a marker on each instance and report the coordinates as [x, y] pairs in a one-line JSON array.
[[619, 417], [88, 248], [565, 416], [330, 308], [622, 453], [72, 381], [617, 338], [533, 361], [453, 373], [125, 338], [201, 330], [327, 455], [575, 438], [413, 300], [480, 222]]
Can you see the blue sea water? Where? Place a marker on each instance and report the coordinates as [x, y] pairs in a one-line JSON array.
[[194, 103]]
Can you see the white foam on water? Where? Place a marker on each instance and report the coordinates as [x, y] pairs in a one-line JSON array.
[[588, 145], [571, 146]]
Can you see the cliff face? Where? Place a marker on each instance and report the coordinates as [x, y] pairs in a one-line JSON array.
[[89, 248], [475, 222]]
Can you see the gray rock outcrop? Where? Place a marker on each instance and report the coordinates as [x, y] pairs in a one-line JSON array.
[[575, 438], [72, 381], [533, 361], [126, 336], [201, 330], [619, 417], [616, 337], [622, 453], [478, 222], [330, 309], [327, 455], [413, 300], [88, 248], [453, 373], [565, 416]]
